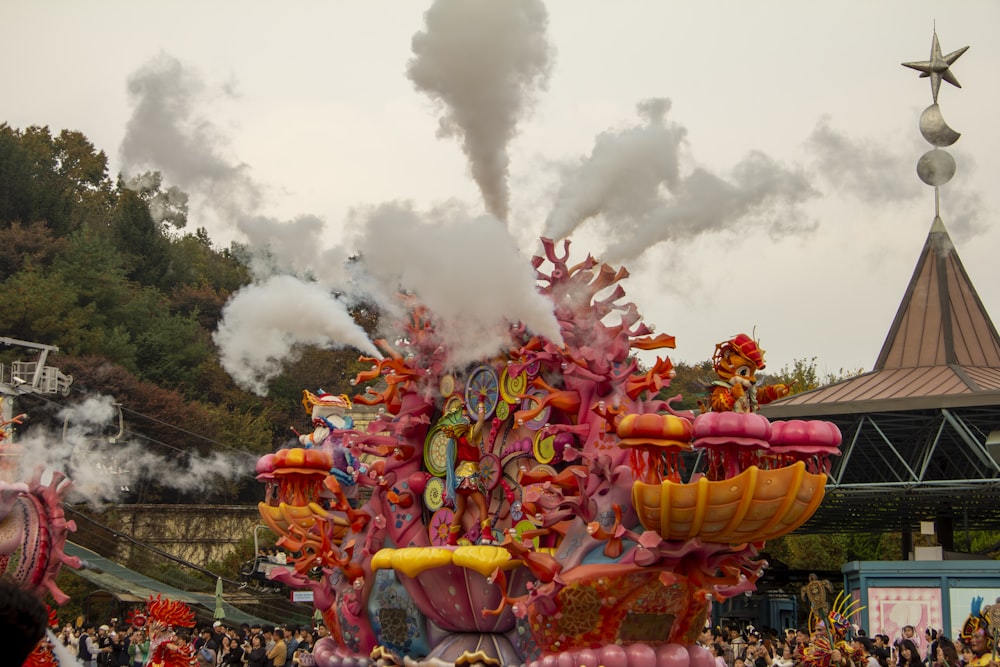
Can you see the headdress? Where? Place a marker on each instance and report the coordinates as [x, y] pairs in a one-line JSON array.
[[978, 622]]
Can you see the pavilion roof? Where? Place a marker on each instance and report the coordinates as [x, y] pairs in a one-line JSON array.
[[942, 349]]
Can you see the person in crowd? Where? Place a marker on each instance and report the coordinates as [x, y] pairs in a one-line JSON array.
[[120, 643], [863, 648], [947, 654], [755, 656], [737, 645], [69, 639], [257, 655], [909, 654], [103, 646], [305, 640], [206, 654], [291, 642], [267, 632], [87, 646], [881, 650], [279, 652], [801, 644], [231, 653], [930, 645], [716, 650], [23, 621], [138, 650], [784, 658], [908, 633]]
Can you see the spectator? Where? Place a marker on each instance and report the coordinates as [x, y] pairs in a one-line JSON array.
[[138, 649], [23, 620], [87, 646], [120, 642], [305, 640], [784, 659], [863, 648], [257, 656], [908, 633], [104, 646], [69, 639], [909, 654], [947, 655], [291, 643], [267, 632], [279, 653], [206, 654], [716, 650], [231, 652], [882, 651], [218, 631]]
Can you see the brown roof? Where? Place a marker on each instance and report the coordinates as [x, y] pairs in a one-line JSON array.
[[942, 348]]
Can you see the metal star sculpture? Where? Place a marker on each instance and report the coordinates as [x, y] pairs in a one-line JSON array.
[[937, 67]]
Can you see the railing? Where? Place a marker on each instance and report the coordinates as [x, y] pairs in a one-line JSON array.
[[177, 572]]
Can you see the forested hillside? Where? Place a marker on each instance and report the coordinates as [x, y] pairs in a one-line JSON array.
[[105, 272]]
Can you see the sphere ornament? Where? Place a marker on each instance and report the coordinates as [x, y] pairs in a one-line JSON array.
[[936, 167]]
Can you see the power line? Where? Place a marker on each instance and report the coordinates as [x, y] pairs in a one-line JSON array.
[[156, 420]]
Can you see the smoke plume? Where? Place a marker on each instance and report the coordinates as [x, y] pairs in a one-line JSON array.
[[165, 206], [877, 174], [103, 471], [166, 133], [468, 272], [627, 173], [265, 323], [482, 60]]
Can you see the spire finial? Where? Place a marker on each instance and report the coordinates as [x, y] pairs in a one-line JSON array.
[[936, 167]]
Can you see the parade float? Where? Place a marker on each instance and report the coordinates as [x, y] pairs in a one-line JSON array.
[[549, 506], [33, 527], [33, 531]]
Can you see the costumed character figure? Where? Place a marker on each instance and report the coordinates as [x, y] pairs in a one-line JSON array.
[[978, 632], [462, 480], [830, 625], [327, 412], [161, 617], [736, 362]]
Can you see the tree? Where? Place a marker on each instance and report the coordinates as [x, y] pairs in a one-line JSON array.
[[59, 180], [803, 375], [27, 243], [692, 381], [140, 239]]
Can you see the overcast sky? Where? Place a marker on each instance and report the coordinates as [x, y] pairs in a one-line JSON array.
[[787, 201]]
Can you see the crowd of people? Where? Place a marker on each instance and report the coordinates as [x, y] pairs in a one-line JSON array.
[[732, 646], [119, 645]]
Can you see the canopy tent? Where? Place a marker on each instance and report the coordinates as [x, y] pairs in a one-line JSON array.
[[130, 585]]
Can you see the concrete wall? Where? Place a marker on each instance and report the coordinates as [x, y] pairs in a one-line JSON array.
[[198, 534]]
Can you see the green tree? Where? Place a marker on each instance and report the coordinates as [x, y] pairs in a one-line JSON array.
[[803, 375], [60, 180], [140, 240], [692, 382]]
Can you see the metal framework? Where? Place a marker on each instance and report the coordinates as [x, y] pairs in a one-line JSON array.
[[900, 468]]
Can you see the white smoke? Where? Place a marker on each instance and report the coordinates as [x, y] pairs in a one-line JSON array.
[[881, 174], [482, 60], [624, 174], [103, 471], [169, 206], [265, 323], [473, 279], [468, 272], [166, 133], [876, 173], [629, 172]]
